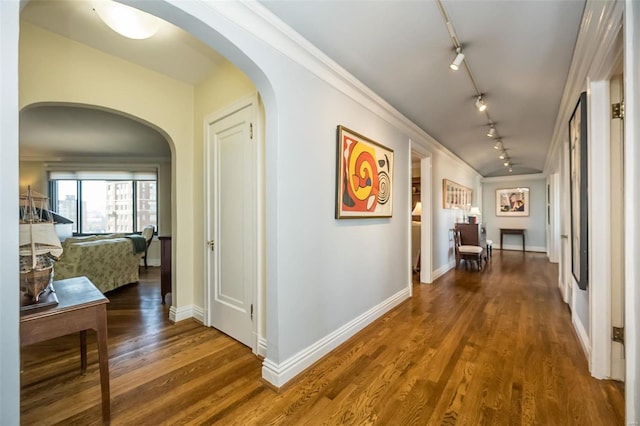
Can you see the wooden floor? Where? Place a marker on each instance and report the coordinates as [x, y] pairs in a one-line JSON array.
[[489, 348]]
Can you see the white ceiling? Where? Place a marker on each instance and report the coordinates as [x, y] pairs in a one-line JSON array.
[[519, 52]]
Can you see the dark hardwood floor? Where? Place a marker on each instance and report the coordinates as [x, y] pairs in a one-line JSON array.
[[494, 348]]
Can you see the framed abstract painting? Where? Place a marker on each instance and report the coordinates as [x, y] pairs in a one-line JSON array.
[[578, 190], [364, 177]]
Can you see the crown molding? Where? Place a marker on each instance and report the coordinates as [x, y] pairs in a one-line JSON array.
[[258, 20], [512, 178]]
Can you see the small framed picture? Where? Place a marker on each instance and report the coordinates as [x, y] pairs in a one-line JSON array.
[[455, 196], [512, 202]]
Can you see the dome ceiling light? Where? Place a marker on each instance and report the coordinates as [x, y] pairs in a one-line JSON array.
[[126, 20]]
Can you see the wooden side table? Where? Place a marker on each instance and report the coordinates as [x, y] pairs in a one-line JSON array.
[[81, 306], [511, 231]]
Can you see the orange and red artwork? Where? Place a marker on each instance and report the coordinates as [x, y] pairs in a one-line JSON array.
[[365, 173]]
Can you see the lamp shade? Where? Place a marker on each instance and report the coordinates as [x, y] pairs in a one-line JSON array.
[[417, 210], [475, 211]]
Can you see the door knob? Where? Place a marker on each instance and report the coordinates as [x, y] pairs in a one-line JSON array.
[[211, 244], [565, 236]]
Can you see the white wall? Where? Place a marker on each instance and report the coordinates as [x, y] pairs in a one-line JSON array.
[[445, 167], [535, 224]]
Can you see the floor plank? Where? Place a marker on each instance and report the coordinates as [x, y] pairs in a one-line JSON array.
[[495, 348]]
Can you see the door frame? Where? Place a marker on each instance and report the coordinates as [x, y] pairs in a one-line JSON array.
[[256, 227], [565, 279], [426, 224], [618, 361]]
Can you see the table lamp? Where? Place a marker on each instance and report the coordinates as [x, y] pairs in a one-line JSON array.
[[417, 210], [473, 214]]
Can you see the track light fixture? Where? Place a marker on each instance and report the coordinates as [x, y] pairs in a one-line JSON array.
[[455, 65], [480, 104]]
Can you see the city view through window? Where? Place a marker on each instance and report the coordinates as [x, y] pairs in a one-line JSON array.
[[107, 206]]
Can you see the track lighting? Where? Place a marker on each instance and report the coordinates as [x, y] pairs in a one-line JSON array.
[[455, 65], [480, 104]]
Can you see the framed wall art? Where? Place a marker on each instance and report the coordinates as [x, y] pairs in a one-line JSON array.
[[578, 191], [512, 202], [456, 196], [364, 177]]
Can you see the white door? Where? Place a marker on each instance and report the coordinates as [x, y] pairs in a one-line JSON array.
[[231, 207], [617, 231]]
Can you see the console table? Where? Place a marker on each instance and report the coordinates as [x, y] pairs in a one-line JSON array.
[[81, 306], [511, 231]]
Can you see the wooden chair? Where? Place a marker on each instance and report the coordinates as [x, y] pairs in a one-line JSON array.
[[147, 233], [469, 254]]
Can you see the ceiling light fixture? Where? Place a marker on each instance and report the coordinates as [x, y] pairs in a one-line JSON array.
[[125, 20], [506, 163], [510, 170], [480, 104], [502, 156], [455, 65]]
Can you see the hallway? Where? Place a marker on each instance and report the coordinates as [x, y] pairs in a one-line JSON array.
[[495, 347]]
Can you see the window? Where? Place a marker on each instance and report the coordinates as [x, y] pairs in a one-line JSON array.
[[105, 202]]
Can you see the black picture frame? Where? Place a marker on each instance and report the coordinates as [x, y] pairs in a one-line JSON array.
[[578, 179]]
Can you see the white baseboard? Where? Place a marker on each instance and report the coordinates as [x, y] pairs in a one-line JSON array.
[[198, 313], [518, 247], [583, 336], [442, 270], [184, 312], [262, 347], [279, 374]]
